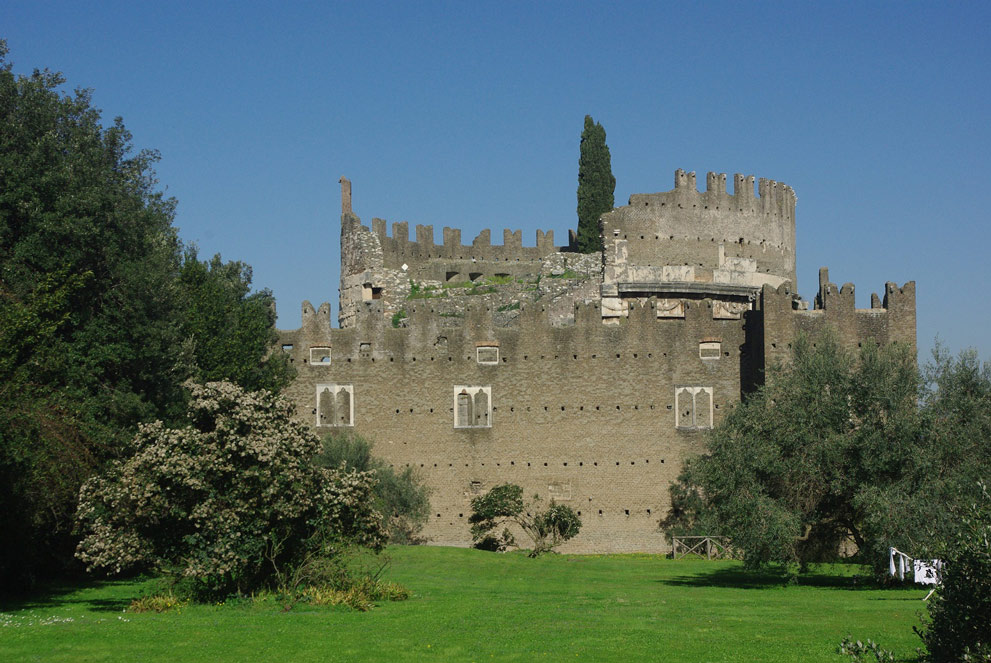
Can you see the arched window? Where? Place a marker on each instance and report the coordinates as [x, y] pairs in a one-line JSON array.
[[472, 406]]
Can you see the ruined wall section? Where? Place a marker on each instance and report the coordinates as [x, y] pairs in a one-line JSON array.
[[584, 413], [710, 236], [891, 320], [391, 270]]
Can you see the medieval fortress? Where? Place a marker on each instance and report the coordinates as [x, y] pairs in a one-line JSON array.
[[584, 378]]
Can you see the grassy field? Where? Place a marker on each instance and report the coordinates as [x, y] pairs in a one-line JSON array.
[[474, 606]]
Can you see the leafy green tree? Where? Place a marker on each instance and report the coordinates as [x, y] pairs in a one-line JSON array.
[[596, 185], [230, 502], [837, 446], [959, 622], [504, 505], [101, 319], [228, 330], [87, 257], [788, 473], [401, 497]]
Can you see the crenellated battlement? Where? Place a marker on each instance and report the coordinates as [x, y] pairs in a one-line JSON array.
[[771, 197], [398, 248]]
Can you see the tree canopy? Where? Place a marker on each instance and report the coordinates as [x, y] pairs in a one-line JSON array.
[[596, 185], [838, 446], [102, 318]]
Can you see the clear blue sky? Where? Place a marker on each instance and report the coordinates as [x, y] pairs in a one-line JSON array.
[[468, 115]]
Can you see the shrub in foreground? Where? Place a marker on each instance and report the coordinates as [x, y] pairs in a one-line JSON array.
[[504, 505], [959, 623], [230, 503], [401, 497]]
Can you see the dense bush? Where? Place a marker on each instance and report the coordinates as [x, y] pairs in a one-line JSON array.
[[229, 503], [959, 623], [504, 505], [401, 497]]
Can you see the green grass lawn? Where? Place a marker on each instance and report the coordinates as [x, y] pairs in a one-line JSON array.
[[469, 605]]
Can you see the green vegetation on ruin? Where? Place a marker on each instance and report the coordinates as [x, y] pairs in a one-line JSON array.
[[469, 605], [515, 306], [420, 291]]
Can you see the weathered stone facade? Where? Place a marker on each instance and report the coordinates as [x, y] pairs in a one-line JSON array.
[[584, 378]]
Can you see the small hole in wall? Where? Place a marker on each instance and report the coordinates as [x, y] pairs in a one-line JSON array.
[[565, 464], [562, 408], [596, 464], [581, 408], [545, 464], [648, 512], [626, 511], [617, 462], [512, 462], [461, 515], [528, 464], [596, 407], [579, 513], [600, 512], [580, 464]]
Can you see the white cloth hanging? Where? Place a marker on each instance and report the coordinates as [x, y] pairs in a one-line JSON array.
[[926, 571]]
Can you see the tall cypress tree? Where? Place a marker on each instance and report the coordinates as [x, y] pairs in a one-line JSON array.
[[596, 185]]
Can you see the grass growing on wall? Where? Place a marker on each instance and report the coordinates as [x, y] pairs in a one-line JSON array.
[[469, 605]]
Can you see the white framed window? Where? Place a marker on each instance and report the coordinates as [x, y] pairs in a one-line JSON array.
[[472, 406], [320, 356], [710, 349], [335, 405], [487, 354], [693, 407]]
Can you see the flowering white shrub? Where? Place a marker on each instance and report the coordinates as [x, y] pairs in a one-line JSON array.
[[229, 503]]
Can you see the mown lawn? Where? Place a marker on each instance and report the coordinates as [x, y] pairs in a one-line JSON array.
[[469, 605]]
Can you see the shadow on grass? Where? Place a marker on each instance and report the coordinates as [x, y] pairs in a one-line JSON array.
[[739, 578], [93, 595]]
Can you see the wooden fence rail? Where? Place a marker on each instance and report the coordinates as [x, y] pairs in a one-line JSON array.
[[711, 547]]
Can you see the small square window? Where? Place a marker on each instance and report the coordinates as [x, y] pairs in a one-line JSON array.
[[320, 356], [710, 350], [487, 354]]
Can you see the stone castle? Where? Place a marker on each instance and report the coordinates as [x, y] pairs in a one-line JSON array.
[[584, 378]]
